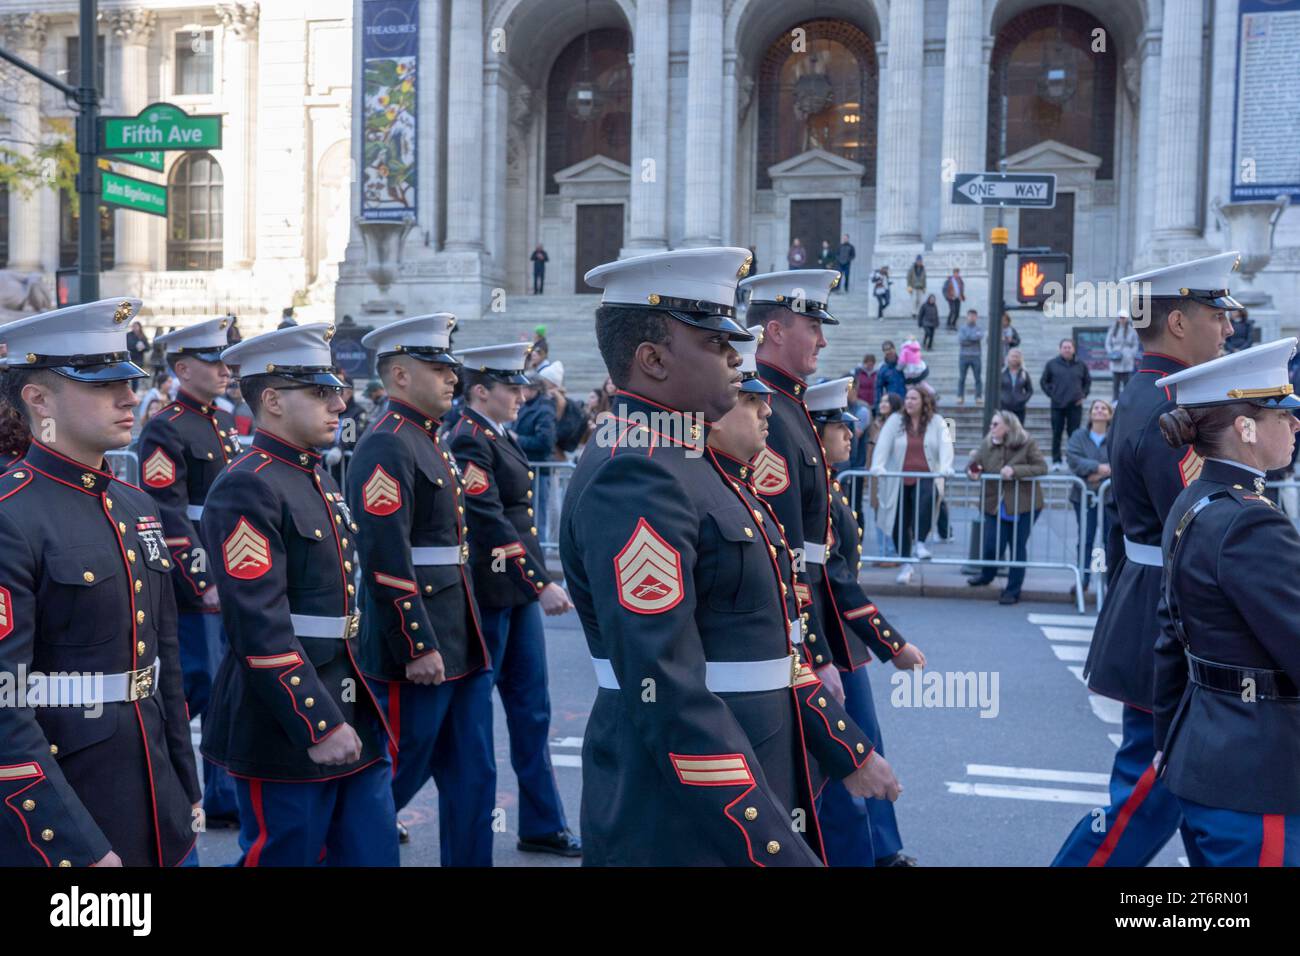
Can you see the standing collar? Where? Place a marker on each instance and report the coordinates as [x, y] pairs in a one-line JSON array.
[[496, 427], [674, 426], [93, 481], [414, 415], [288, 452], [787, 382], [733, 467], [1159, 362], [193, 404], [1227, 471]]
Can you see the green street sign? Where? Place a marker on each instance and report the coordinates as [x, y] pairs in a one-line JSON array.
[[131, 193], [152, 159], [159, 126]]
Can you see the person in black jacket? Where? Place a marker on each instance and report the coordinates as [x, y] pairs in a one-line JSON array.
[[1227, 659], [86, 590], [1017, 385], [1066, 382]]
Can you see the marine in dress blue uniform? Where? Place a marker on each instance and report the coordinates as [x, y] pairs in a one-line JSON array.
[[858, 831], [696, 751], [1227, 671], [292, 718], [511, 583], [181, 450], [85, 588], [421, 646], [1147, 475]]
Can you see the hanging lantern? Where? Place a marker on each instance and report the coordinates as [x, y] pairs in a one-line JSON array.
[[583, 101]]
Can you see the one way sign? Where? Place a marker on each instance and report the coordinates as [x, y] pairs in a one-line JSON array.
[[1005, 189]]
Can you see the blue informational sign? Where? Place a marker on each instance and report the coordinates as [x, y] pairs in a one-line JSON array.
[[389, 46], [1266, 108]]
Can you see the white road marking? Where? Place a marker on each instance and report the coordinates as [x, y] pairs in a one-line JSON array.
[[1070, 652], [1110, 711], [1047, 794], [1035, 773], [566, 760], [1068, 634], [1064, 620], [1116, 739], [1078, 672], [575, 742]]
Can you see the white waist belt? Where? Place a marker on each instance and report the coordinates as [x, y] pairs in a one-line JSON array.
[[426, 557], [79, 690], [796, 631], [1143, 554], [194, 512], [311, 625], [723, 677], [814, 553]]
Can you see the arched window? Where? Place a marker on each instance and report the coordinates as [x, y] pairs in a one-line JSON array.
[[607, 131], [1047, 82], [819, 95], [194, 214]]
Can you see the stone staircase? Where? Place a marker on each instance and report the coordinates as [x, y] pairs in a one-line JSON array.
[[570, 331]]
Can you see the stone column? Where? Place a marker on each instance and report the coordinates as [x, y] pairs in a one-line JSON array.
[[24, 34], [1148, 111], [1177, 197], [730, 130], [898, 219], [131, 29], [465, 127], [703, 219], [238, 96], [648, 190], [965, 94]]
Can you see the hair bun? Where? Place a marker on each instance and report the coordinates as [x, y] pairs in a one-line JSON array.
[[1178, 428]]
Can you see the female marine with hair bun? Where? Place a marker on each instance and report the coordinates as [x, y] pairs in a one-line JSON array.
[[1227, 692]]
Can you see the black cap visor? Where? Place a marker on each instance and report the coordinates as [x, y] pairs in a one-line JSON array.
[[714, 322], [121, 371], [752, 383]]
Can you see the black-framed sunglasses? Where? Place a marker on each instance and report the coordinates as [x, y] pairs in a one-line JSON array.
[[321, 393]]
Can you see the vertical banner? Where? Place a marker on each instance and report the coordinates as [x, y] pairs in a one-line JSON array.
[[1266, 124], [389, 49]]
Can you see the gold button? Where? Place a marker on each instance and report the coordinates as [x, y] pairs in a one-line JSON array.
[[821, 701], [203, 584], [814, 459], [751, 813], [88, 577], [317, 532], [428, 423], [530, 494], [209, 456], [530, 574], [47, 835], [139, 617], [533, 529], [419, 646], [812, 638], [338, 519], [295, 680], [121, 526], [310, 702], [139, 647], [415, 625], [184, 555], [861, 749], [130, 553], [166, 563], [406, 605], [749, 532], [875, 620], [839, 724], [109, 502], [819, 658], [428, 589], [397, 418], [771, 550], [895, 645], [347, 565], [351, 589], [138, 586], [887, 632], [352, 525], [65, 863], [29, 805], [773, 847], [54, 750], [530, 475], [530, 512], [264, 458], [758, 516], [344, 542], [460, 508], [320, 725]]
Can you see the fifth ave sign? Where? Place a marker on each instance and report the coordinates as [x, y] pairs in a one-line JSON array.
[[1005, 189]]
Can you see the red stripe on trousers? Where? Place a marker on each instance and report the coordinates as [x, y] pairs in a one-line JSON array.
[[1274, 843], [1144, 784], [394, 719], [255, 797]]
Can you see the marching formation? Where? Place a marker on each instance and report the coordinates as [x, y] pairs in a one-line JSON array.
[[341, 644]]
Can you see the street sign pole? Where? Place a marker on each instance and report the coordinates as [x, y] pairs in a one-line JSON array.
[[87, 153], [993, 360]]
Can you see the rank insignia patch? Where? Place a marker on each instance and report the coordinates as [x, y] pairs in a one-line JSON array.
[[6, 613], [771, 475], [381, 493], [649, 572], [476, 480], [247, 553], [158, 470], [1190, 467]]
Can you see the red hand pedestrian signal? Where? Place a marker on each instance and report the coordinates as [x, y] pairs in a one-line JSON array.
[[1030, 279]]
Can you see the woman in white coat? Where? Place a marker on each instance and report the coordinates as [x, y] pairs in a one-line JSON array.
[[916, 440]]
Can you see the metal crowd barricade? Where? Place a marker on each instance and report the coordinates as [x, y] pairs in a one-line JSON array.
[[1098, 557], [550, 484], [1053, 540], [124, 464]]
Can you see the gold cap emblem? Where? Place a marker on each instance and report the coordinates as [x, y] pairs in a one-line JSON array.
[[744, 268], [270, 366], [122, 312], [329, 333], [222, 324], [653, 298], [88, 479]]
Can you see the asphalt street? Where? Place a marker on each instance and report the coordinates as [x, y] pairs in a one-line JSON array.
[[997, 790]]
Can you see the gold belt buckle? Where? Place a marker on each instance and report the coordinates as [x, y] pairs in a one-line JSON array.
[[354, 624], [139, 683], [464, 552], [794, 668]]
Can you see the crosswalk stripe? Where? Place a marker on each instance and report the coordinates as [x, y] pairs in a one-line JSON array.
[[1110, 711], [1012, 792], [1068, 634], [1070, 652], [1116, 739], [566, 760], [575, 742], [1077, 671], [1035, 773], [1064, 620]]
